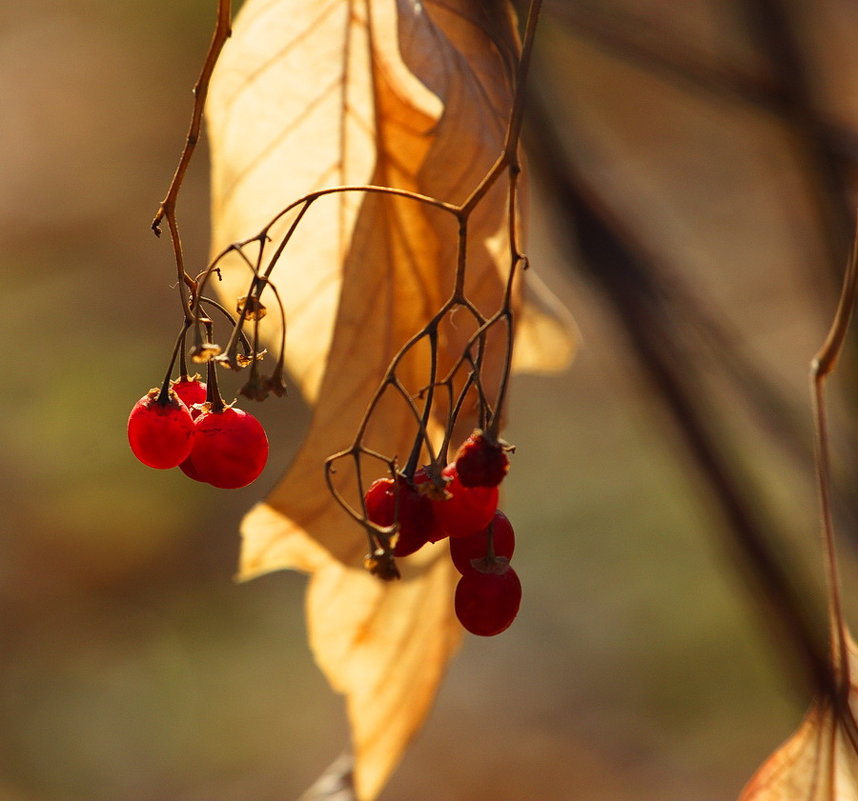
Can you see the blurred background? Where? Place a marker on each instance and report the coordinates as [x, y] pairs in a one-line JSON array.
[[695, 166]]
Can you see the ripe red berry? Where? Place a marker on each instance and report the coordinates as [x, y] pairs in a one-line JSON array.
[[487, 602], [416, 521], [230, 448], [191, 392], [160, 432], [481, 463], [468, 510], [464, 550], [187, 467]]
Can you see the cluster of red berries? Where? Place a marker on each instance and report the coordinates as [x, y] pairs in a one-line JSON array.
[[210, 442], [463, 507]]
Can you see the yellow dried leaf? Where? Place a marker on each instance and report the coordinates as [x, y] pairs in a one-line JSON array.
[[308, 96], [386, 647], [409, 95], [820, 761]]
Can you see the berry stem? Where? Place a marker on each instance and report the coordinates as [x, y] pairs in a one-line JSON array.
[[238, 329], [213, 396], [164, 394], [183, 359], [276, 379]]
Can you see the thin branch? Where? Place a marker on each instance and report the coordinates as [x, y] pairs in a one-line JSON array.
[[663, 54], [775, 31], [167, 209], [784, 91], [821, 367]]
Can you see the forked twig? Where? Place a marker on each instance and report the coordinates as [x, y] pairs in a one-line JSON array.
[[464, 376]]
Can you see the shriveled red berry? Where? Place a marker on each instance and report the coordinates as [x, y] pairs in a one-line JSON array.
[[464, 550], [423, 485], [191, 392], [230, 448], [416, 520], [160, 432], [468, 510], [487, 602], [481, 463]]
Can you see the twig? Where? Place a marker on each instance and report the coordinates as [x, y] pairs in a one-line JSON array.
[[821, 367], [167, 209]]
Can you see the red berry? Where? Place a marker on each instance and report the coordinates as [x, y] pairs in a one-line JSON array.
[[464, 550], [487, 602], [187, 467], [416, 521], [230, 448], [423, 485], [481, 463], [160, 433], [191, 392], [468, 510]]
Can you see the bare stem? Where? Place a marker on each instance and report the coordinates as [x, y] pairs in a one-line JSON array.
[[167, 209], [821, 366]]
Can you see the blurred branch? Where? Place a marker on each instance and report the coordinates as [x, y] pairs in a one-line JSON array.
[[773, 28], [783, 90], [660, 52], [629, 281]]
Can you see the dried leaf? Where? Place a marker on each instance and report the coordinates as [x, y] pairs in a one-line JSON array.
[[294, 107], [820, 761], [386, 647], [410, 95]]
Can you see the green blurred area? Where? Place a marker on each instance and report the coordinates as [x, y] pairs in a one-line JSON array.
[[133, 667]]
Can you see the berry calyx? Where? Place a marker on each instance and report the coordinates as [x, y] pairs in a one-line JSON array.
[[465, 550], [466, 510], [160, 430], [486, 603], [230, 448], [192, 392], [481, 462], [416, 520]]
